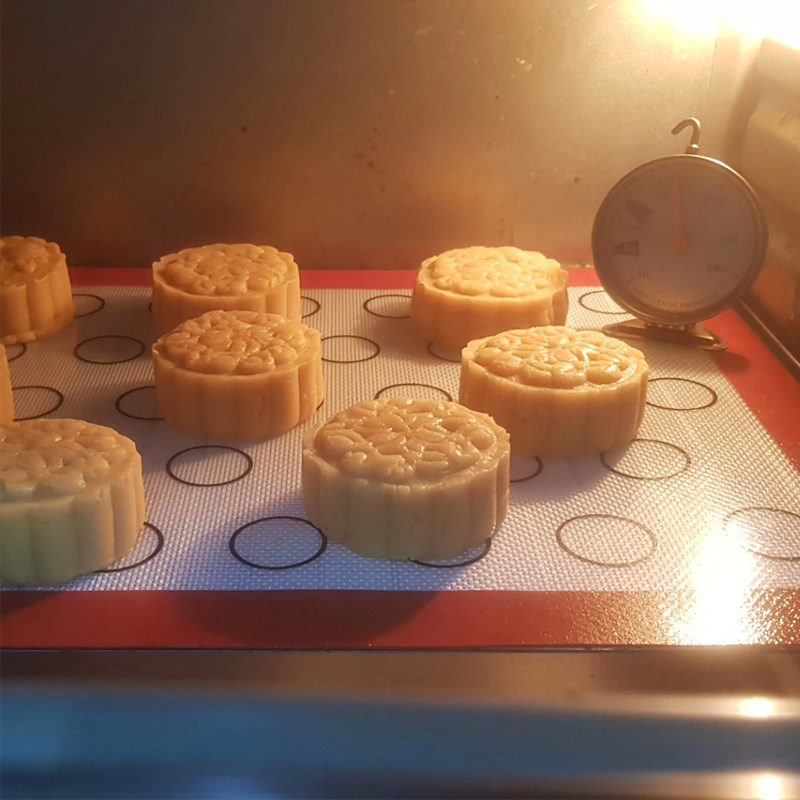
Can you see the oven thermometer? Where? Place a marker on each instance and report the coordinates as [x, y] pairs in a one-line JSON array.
[[675, 242]]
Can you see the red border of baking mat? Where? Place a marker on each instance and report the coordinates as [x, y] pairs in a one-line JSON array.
[[462, 619]]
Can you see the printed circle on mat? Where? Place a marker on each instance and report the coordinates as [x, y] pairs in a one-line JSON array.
[[32, 402], [429, 392], [109, 349], [679, 394], [772, 533], [606, 540], [276, 543], [15, 351], [209, 465], [139, 403], [147, 547], [347, 349], [524, 468], [453, 356], [647, 460], [308, 306], [462, 560], [599, 302], [86, 304], [389, 306]]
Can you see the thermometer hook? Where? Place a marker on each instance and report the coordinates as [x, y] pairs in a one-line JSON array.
[[694, 144]]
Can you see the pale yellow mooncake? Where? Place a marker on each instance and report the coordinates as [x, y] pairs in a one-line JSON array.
[[560, 393], [241, 375], [71, 499], [407, 479], [244, 277], [6, 395], [35, 290], [464, 294]]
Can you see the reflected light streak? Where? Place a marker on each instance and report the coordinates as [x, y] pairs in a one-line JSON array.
[[721, 581], [756, 707], [774, 19], [768, 787]]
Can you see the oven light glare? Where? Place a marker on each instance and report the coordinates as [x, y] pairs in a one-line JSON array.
[[773, 19]]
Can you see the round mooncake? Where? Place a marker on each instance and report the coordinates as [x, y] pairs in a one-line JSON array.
[[464, 294], [241, 375], [72, 499], [559, 393], [407, 479], [245, 277], [6, 396], [35, 291]]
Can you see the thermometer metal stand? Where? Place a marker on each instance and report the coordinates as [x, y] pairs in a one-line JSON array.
[[693, 335]]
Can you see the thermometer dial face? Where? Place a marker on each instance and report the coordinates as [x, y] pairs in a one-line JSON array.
[[679, 239]]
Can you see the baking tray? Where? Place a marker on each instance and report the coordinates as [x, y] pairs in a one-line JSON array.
[[690, 536]]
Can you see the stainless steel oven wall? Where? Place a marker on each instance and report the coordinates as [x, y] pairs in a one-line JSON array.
[[352, 133], [771, 159]]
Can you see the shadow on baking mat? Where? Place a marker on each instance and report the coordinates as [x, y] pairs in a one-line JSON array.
[[99, 403], [555, 480], [387, 318], [209, 465], [140, 403], [34, 401], [444, 354], [275, 558], [389, 305], [347, 349], [732, 362], [87, 304], [300, 619], [109, 348], [18, 598]]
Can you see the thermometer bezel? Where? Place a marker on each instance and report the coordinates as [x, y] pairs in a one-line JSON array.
[[612, 281]]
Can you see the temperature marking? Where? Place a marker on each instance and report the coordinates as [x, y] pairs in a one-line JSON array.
[[627, 248], [714, 267], [639, 210]]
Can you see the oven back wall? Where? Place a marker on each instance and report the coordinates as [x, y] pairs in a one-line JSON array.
[[351, 133]]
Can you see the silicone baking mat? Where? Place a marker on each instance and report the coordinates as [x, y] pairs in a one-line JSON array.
[[696, 524]]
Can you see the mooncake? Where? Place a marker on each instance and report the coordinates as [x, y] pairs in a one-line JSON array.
[[35, 290], [243, 277], [472, 292], [242, 375], [560, 393], [405, 478], [72, 499]]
